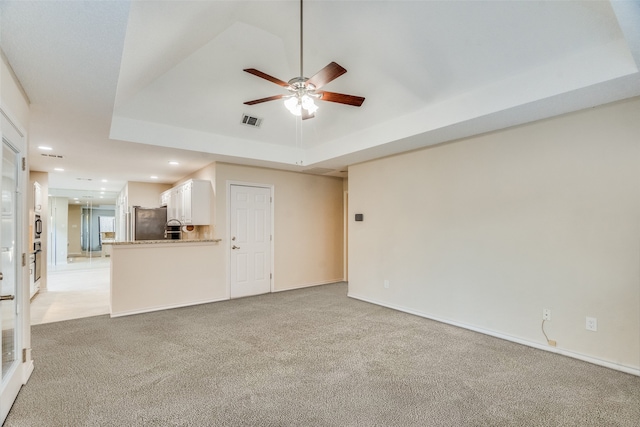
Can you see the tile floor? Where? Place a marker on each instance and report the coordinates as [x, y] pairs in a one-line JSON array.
[[77, 289]]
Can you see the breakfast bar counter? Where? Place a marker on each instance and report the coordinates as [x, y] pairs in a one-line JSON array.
[[151, 275]]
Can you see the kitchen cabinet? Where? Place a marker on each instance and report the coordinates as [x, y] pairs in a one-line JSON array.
[[174, 204], [196, 202], [187, 203], [169, 199], [165, 197], [190, 202]]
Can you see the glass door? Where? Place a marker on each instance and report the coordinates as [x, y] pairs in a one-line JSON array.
[[9, 292]]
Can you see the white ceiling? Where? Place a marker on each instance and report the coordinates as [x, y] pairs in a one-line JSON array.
[[120, 88]]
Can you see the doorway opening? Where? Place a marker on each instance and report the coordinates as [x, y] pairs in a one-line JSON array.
[[78, 263]]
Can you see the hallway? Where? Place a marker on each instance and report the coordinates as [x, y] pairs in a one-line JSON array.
[[77, 289]]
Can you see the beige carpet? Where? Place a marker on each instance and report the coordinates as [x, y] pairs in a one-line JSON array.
[[310, 357]]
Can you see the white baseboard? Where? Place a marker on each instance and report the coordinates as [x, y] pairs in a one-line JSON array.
[[27, 370], [308, 285], [164, 307], [169, 307], [607, 364]]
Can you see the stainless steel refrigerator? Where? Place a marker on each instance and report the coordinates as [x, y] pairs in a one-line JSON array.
[[146, 223]]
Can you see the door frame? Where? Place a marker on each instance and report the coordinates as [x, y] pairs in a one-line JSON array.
[[345, 234], [271, 189], [16, 137]]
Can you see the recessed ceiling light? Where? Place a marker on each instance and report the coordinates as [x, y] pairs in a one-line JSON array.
[[44, 147], [173, 162], [153, 177], [102, 192], [104, 180], [102, 188], [75, 198], [58, 169]]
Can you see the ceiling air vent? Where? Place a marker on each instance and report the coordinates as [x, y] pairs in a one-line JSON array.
[[55, 156], [251, 121]]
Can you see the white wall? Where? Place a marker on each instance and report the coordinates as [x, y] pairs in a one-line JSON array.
[[488, 231], [145, 194]]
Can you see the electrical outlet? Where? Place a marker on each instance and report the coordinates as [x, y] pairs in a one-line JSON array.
[[546, 314], [386, 284], [592, 324]]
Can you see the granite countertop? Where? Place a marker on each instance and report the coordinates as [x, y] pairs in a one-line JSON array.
[[171, 241]]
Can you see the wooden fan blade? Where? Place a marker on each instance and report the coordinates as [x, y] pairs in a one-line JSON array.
[[258, 101], [265, 76], [341, 98], [327, 74]]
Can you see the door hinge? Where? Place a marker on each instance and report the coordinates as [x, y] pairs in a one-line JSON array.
[[25, 354], [24, 259], [270, 199], [271, 237], [24, 163], [270, 275]]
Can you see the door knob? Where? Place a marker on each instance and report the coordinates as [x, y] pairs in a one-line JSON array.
[[235, 247], [233, 238]]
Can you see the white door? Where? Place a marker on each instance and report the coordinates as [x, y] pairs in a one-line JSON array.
[[250, 241], [11, 296]]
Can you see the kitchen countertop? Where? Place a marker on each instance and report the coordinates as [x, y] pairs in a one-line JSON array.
[[171, 241]]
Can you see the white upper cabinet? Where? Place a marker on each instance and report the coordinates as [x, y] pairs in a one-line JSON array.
[[165, 197], [174, 204], [196, 202], [187, 203], [190, 202]]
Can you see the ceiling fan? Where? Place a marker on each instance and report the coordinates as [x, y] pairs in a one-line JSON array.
[[303, 91]]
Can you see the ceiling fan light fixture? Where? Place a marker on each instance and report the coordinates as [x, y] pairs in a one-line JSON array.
[[296, 103], [308, 104], [293, 105]]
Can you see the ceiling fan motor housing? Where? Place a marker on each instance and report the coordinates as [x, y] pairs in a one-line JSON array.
[[299, 86]]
